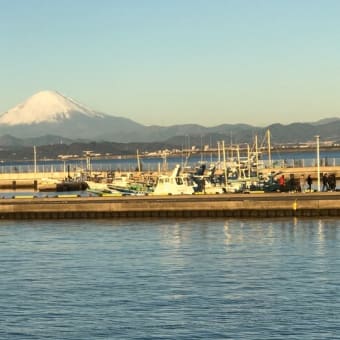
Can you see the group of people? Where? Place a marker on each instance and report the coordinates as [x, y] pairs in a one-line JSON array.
[[291, 185], [328, 183]]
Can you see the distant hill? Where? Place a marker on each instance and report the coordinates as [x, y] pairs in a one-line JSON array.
[[326, 121], [50, 118]]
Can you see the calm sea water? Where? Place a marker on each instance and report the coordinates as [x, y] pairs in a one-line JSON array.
[[170, 279]]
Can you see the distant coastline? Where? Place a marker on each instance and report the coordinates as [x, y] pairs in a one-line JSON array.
[[188, 153]]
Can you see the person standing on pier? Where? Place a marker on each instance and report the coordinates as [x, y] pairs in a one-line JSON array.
[[325, 182], [302, 183], [282, 182], [309, 182], [331, 182]]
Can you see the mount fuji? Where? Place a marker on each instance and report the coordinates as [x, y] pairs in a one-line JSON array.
[[51, 113], [49, 117], [45, 106]]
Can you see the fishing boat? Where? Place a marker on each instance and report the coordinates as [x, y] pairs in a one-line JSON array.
[[97, 186], [101, 189], [127, 185], [207, 180], [174, 184]]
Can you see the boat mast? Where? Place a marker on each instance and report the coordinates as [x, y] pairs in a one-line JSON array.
[[224, 164], [249, 160], [138, 161], [257, 157], [269, 149], [238, 160], [165, 165], [218, 154]]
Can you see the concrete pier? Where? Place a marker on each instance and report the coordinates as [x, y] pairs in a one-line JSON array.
[[186, 206]]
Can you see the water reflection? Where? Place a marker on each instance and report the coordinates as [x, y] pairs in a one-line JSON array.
[[227, 233], [173, 235], [321, 238], [270, 232]]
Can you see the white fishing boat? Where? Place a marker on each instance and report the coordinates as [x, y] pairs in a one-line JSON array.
[[207, 182], [122, 180], [209, 187], [174, 184], [101, 189]]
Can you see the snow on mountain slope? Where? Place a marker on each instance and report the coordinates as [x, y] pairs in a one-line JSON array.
[[45, 106]]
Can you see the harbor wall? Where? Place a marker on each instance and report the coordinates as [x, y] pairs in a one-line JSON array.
[[186, 206]]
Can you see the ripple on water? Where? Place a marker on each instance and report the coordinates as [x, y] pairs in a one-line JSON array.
[[179, 279]]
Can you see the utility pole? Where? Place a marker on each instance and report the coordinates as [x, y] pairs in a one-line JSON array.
[[35, 159], [318, 159]]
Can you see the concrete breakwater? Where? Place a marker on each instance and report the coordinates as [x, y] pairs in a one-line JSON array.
[[186, 206], [30, 180]]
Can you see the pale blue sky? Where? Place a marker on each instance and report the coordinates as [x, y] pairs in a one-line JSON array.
[[180, 61]]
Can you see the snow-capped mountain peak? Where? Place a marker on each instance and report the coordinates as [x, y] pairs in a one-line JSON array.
[[45, 106]]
